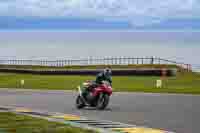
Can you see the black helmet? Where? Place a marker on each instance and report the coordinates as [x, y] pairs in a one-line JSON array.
[[107, 71]]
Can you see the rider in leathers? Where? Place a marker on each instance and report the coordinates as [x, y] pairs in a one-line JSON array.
[[102, 76]]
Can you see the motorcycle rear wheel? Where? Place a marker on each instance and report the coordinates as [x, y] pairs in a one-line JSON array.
[[103, 101]]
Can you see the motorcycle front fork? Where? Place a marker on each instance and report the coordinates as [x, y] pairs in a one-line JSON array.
[[81, 94]]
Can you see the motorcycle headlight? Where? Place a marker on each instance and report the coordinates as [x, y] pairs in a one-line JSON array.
[[86, 84]]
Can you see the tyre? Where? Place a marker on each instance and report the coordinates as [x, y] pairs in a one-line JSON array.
[[103, 101], [79, 102]]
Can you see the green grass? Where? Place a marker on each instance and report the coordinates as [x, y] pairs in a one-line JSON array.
[[188, 83], [12, 123]]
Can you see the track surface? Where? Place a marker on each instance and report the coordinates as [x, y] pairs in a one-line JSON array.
[[179, 113]]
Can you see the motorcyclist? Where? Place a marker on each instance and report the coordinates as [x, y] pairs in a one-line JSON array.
[[102, 76]]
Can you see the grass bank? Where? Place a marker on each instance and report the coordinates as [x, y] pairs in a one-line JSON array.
[[188, 83], [12, 123]]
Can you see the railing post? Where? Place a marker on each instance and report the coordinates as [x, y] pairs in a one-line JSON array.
[[115, 60], [56, 64], [106, 60], [61, 63], [128, 60], [152, 60], [142, 60], [158, 60], [132, 59], [91, 60], [65, 63], [71, 62]]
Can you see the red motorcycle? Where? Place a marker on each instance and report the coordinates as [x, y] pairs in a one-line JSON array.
[[98, 97]]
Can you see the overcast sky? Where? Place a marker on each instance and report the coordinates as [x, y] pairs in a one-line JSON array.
[[100, 14], [58, 29]]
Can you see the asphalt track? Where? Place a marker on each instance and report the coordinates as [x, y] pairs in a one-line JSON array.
[[178, 113]]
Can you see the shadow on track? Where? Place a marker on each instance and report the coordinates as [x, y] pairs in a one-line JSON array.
[[94, 109]]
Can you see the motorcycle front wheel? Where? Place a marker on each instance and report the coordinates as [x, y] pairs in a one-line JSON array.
[[103, 101], [79, 102]]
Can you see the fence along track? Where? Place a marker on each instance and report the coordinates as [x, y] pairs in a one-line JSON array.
[[96, 61]]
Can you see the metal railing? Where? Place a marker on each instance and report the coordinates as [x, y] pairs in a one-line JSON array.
[[95, 61]]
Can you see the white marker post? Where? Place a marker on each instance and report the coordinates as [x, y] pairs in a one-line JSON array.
[[159, 83], [22, 82]]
